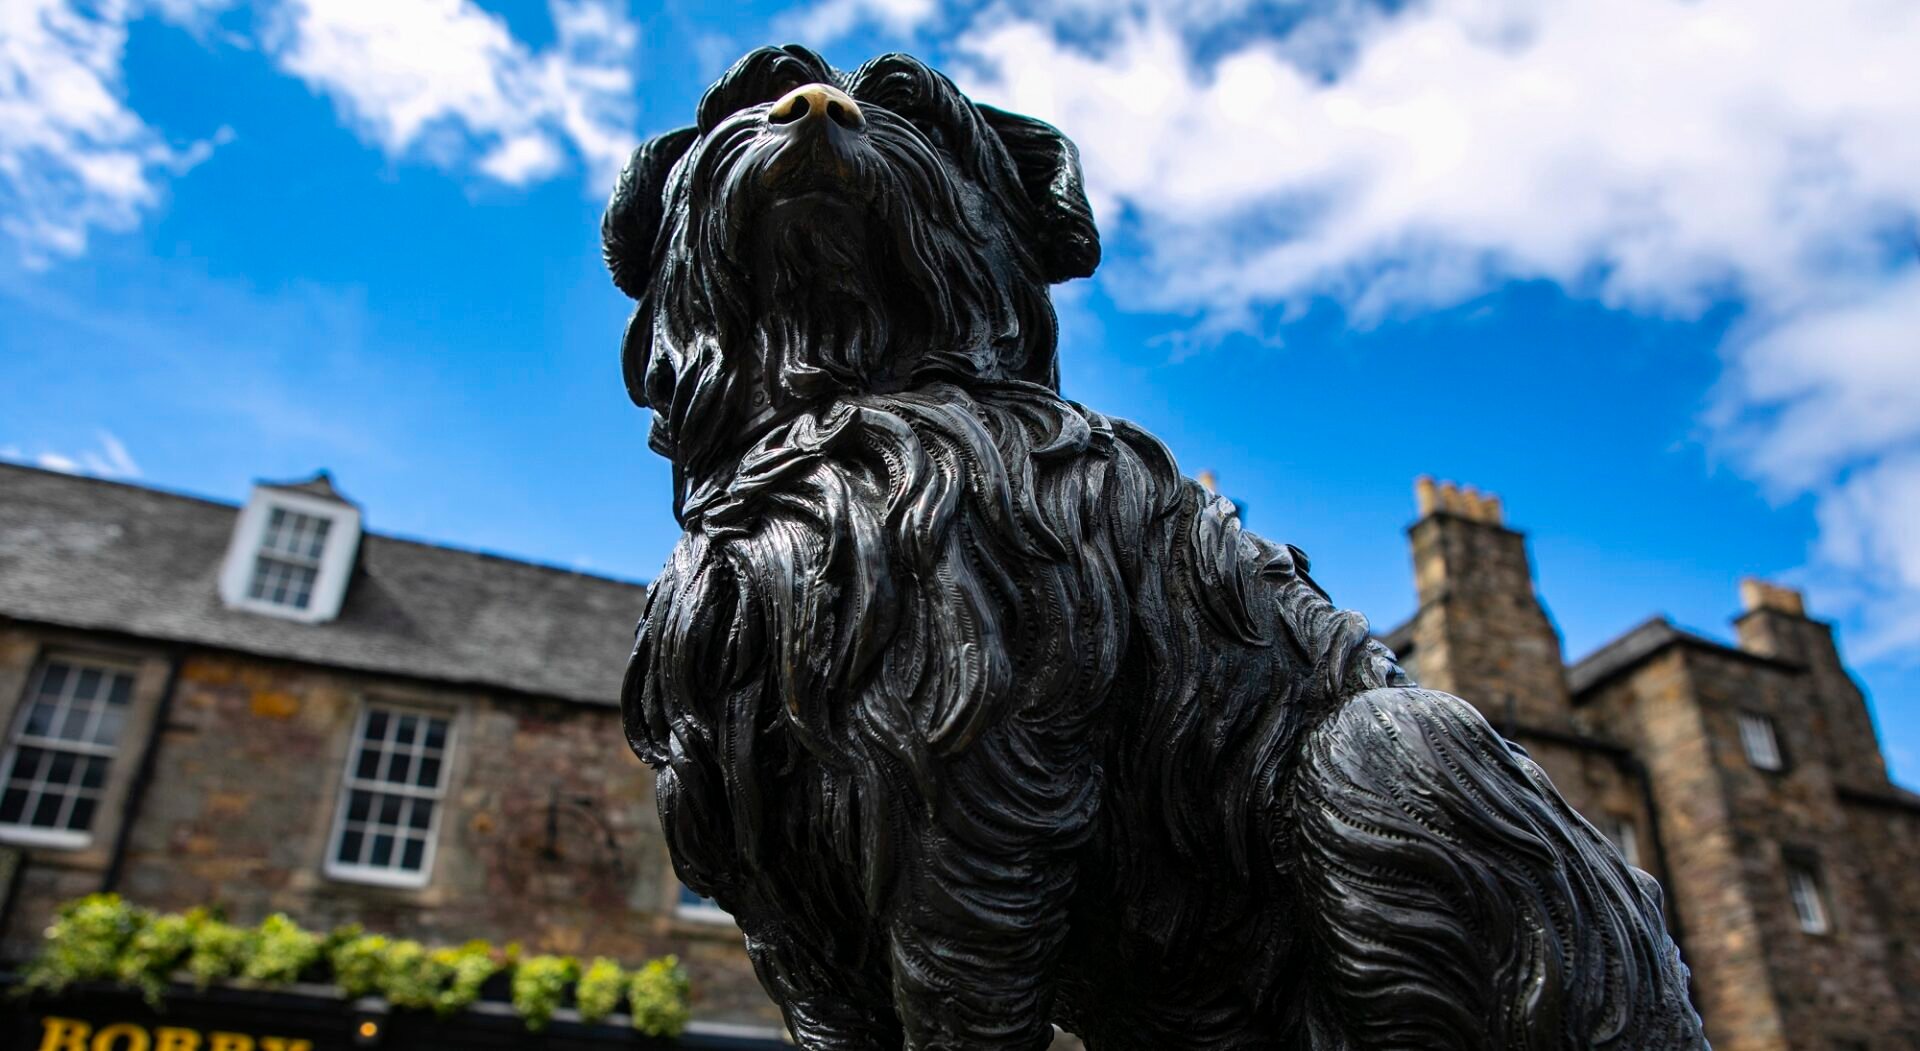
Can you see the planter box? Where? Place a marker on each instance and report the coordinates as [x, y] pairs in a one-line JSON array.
[[99, 1017]]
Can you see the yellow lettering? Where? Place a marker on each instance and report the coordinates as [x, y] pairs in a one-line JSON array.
[[171, 1038], [229, 1042], [281, 1043], [135, 1037], [63, 1034]]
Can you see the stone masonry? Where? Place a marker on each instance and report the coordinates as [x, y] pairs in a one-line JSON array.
[[1748, 778]]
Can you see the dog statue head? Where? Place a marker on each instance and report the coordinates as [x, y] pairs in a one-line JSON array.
[[817, 233]]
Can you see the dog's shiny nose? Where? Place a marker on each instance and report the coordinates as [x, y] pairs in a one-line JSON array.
[[812, 102]]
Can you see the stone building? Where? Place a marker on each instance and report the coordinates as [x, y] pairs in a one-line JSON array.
[[1746, 777], [270, 708]]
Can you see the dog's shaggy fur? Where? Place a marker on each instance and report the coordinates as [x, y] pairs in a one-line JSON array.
[[975, 713]]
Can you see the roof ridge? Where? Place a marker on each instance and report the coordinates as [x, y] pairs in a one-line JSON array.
[[398, 538]]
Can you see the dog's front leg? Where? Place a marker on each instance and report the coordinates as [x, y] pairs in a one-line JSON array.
[[970, 983], [827, 1006], [976, 937]]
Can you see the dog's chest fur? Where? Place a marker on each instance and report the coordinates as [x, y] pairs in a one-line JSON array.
[[918, 617]]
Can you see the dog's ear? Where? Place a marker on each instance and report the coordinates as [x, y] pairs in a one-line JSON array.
[[1049, 168], [634, 212]]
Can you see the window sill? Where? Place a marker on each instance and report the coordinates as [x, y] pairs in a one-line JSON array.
[[29, 836], [369, 877]]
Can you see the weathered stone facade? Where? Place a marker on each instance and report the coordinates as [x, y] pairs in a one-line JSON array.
[[1790, 862], [227, 783]]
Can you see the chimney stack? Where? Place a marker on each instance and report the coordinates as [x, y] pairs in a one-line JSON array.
[[1481, 632], [1775, 624]]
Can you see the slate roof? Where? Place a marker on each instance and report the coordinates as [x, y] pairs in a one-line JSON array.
[[94, 554], [1646, 639]]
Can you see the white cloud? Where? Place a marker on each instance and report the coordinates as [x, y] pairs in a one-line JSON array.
[[110, 460], [1654, 151], [407, 74], [441, 79], [1660, 155], [73, 157], [822, 23], [1828, 402]]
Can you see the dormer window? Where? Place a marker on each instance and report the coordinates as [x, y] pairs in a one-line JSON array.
[[292, 551], [289, 560]]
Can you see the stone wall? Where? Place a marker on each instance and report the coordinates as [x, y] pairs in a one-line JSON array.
[[1830, 987], [1652, 710], [247, 778], [1480, 632], [1775, 625], [1886, 829]]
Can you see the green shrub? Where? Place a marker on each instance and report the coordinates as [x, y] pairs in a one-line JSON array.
[[156, 950], [279, 950], [438, 980], [602, 986], [216, 948], [539, 983], [359, 963], [657, 996], [102, 938], [85, 942]]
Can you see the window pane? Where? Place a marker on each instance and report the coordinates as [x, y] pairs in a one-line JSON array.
[[1804, 888], [393, 788], [53, 680], [317, 540], [75, 721], [281, 583], [73, 727], [113, 719], [39, 719], [93, 772], [26, 766], [46, 814], [1758, 739]]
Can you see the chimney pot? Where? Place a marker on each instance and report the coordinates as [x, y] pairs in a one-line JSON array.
[[1757, 594]]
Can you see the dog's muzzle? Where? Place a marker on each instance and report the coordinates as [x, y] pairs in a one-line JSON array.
[[823, 128], [819, 104]]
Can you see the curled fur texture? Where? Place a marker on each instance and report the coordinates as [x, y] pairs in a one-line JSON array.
[[978, 716]]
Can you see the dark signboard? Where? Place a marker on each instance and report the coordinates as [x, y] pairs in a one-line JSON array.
[[110, 1018]]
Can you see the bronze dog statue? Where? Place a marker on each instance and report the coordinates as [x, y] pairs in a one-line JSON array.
[[973, 711]]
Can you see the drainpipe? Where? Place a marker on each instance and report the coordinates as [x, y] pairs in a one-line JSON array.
[[1639, 772], [142, 774]]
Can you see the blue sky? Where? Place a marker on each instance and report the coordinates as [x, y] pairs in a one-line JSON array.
[[1644, 268]]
